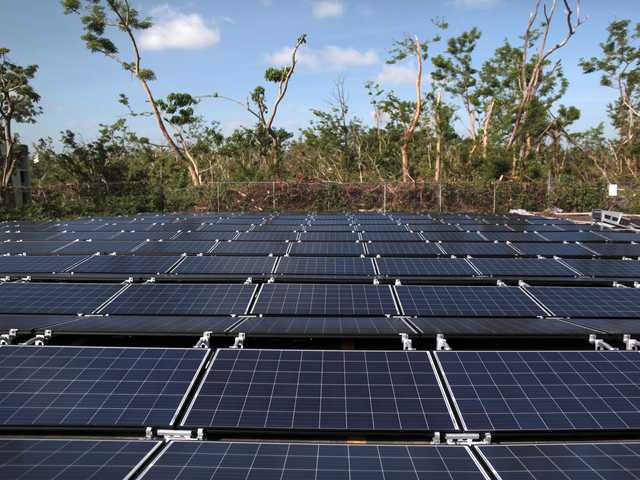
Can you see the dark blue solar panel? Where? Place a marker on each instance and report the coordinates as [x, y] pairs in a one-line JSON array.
[[316, 326], [126, 264], [425, 267], [106, 247], [545, 390], [329, 237], [392, 237], [69, 236], [267, 236], [572, 237], [226, 265], [478, 249], [324, 300], [177, 247], [547, 249], [604, 461], [615, 250], [589, 302], [31, 248], [453, 237], [205, 236], [250, 248], [485, 326], [182, 299], [141, 236], [404, 249], [94, 386], [327, 249], [607, 268], [22, 459], [514, 236], [54, 298], [320, 390], [326, 266], [621, 236], [29, 265], [290, 461], [465, 301], [521, 267]]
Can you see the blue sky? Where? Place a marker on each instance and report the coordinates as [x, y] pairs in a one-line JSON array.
[[206, 46]]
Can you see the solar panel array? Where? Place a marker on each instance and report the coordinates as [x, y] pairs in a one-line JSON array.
[[347, 286]]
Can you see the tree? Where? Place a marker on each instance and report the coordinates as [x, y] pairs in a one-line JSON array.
[[619, 66], [98, 16], [271, 138], [18, 103]]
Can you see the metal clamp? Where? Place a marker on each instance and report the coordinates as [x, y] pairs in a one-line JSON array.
[[407, 344], [600, 344], [8, 338], [441, 343], [204, 341], [630, 343], [467, 439], [41, 340], [238, 342], [180, 435]]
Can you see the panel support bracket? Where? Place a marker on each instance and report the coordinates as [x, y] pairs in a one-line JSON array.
[[441, 343], [630, 343], [42, 339], [8, 338], [238, 342], [467, 439], [180, 435], [204, 341], [600, 344], [407, 344]]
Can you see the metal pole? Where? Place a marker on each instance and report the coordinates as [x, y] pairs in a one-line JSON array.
[[273, 191], [495, 189], [218, 195], [440, 196], [384, 197]]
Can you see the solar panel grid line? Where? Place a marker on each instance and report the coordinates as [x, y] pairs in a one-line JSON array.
[[363, 409], [100, 308], [545, 390], [606, 461], [69, 459]]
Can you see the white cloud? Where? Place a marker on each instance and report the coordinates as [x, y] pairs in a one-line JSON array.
[[326, 58], [173, 29], [397, 75], [229, 20], [327, 8], [474, 3]]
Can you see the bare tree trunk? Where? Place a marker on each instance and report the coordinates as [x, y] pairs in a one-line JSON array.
[[438, 170], [486, 126], [408, 133]]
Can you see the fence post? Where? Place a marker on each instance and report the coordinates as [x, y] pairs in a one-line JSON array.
[[439, 196], [495, 190], [218, 195], [273, 192], [384, 197]]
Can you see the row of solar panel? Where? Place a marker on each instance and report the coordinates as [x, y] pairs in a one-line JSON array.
[[335, 236], [321, 266], [117, 459], [319, 390], [280, 299], [342, 249]]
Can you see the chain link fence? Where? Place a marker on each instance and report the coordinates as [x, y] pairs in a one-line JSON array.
[[125, 198]]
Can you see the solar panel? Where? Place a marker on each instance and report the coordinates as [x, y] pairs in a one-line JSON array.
[[95, 386], [329, 228], [226, 266], [320, 390], [326, 266], [30, 236], [33, 264], [148, 325], [176, 247], [544, 390], [425, 267], [266, 236], [616, 250], [404, 249], [465, 301], [329, 249], [30, 248], [607, 268], [225, 227], [572, 237], [453, 237], [381, 228], [606, 461], [391, 237], [205, 236], [290, 461], [565, 250], [521, 267], [437, 227], [250, 248], [480, 326], [621, 236], [126, 264], [514, 236], [589, 302], [485, 228], [69, 236], [323, 326], [612, 326], [140, 236], [183, 299], [106, 247], [324, 300], [71, 459], [478, 249], [329, 237], [54, 298]]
